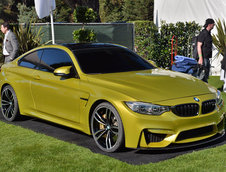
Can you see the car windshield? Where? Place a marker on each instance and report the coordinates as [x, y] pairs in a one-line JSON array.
[[110, 60]]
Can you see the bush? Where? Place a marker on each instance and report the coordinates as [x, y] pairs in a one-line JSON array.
[[84, 35], [156, 46], [145, 35]]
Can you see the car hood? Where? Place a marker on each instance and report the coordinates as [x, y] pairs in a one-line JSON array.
[[153, 85]]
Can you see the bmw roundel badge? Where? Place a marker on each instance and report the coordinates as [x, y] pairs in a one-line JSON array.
[[196, 99]]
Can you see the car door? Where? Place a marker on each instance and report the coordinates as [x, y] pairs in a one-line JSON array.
[[24, 75], [55, 96]]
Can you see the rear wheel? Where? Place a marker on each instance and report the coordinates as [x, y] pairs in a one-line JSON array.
[[10, 109], [107, 128]]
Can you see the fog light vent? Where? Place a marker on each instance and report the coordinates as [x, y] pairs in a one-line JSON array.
[[153, 137]]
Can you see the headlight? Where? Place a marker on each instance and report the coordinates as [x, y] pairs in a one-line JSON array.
[[147, 108], [219, 100]]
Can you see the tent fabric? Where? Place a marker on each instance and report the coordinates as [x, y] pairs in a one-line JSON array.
[[43, 7], [173, 11]]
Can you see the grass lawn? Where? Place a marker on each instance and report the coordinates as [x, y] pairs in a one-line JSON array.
[[24, 150]]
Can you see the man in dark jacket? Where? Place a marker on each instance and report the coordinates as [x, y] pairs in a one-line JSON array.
[[204, 47], [10, 43]]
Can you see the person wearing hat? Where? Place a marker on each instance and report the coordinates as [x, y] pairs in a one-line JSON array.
[[204, 47]]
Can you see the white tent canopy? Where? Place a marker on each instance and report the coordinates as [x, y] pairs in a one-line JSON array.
[[173, 11]]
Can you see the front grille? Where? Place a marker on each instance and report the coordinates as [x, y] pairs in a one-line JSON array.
[[208, 106], [195, 133], [186, 110], [153, 137]]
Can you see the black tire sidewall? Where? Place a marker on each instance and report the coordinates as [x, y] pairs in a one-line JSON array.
[[120, 141], [16, 107]]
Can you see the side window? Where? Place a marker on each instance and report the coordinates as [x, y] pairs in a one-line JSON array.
[[54, 58], [31, 60]]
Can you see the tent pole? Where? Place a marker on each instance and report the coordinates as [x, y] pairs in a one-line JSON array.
[[52, 27]]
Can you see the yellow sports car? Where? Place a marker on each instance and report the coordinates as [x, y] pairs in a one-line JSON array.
[[110, 92]]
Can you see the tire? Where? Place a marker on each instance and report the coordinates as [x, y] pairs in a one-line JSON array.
[[9, 104], [107, 128]]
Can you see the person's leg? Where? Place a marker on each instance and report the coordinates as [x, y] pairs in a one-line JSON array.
[[206, 65]]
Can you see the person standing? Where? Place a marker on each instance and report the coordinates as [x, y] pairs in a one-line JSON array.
[[204, 47], [10, 43]]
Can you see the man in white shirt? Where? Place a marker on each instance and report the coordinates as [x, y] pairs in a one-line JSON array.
[[10, 43]]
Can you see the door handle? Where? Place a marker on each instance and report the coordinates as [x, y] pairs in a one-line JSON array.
[[37, 77]]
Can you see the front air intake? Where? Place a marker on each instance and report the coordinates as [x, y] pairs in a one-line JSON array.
[[199, 132]]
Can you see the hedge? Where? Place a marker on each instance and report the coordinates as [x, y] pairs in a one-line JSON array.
[[156, 45]]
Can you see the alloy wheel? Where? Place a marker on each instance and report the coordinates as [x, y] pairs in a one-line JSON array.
[[9, 103], [107, 128]]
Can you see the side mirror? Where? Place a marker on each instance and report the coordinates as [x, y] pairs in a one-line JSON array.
[[63, 71]]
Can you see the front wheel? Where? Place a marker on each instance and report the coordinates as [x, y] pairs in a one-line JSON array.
[[10, 108], [107, 128]]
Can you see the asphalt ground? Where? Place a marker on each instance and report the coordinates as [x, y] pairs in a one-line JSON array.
[[131, 156]]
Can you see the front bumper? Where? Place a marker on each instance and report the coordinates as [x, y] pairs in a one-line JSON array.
[[147, 131], [162, 138]]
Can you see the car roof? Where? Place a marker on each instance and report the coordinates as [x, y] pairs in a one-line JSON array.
[[79, 46]]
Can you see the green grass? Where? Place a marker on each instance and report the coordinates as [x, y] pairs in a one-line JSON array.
[[25, 150], [216, 82]]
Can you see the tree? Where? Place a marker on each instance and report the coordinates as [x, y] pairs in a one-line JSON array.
[[7, 12], [111, 10], [138, 10], [145, 9], [1, 10], [26, 13], [63, 12], [129, 11], [94, 4]]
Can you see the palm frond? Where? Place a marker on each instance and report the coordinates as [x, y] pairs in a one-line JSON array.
[[28, 37], [219, 39]]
